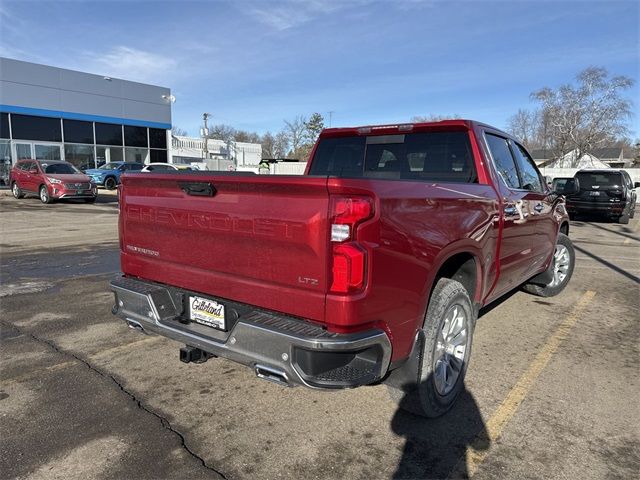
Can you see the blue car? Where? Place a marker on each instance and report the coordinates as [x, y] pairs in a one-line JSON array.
[[108, 175]]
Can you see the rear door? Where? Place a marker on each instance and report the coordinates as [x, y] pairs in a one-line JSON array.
[[540, 205], [30, 180], [518, 232]]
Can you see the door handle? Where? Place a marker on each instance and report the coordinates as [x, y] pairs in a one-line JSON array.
[[538, 208], [201, 189], [510, 210]]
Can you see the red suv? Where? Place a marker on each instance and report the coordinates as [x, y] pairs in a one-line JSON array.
[[51, 180]]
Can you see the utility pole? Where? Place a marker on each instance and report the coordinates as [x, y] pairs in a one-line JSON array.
[[330, 117], [205, 134]]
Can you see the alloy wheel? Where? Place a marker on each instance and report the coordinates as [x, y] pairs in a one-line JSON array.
[[451, 347], [561, 261]]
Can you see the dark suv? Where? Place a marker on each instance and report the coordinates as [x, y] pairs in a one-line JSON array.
[[607, 192]]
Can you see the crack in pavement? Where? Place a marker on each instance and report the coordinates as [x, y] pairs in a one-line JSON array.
[[163, 421]]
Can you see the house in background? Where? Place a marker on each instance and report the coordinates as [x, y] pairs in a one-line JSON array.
[[615, 157]]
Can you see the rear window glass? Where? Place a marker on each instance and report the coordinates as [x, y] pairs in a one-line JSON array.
[[433, 157], [588, 180], [59, 168]]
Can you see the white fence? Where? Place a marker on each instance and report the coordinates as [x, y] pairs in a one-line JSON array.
[[570, 172]]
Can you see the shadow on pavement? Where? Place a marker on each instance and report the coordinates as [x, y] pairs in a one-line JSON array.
[[610, 265], [623, 234], [437, 447]]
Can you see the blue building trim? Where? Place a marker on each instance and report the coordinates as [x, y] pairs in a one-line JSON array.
[[82, 116]]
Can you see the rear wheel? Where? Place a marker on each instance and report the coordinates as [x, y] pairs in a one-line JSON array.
[[16, 191], [44, 194], [443, 353], [563, 263], [110, 183]]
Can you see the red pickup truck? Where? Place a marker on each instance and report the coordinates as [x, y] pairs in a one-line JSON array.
[[370, 268]]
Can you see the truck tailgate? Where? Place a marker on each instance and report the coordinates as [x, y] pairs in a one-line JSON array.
[[260, 240]]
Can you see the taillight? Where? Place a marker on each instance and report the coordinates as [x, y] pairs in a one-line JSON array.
[[349, 257]]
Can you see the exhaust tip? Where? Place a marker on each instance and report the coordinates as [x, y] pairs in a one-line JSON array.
[[272, 375], [133, 325]]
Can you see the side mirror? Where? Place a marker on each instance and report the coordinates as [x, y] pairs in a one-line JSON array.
[[636, 185]]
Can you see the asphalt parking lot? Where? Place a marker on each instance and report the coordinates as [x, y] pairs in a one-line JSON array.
[[551, 392]]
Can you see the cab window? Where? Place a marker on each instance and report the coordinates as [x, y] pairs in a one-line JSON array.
[[503, 160], [529, 176]]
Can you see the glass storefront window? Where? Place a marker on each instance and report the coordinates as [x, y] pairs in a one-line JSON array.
[[157, 138], [158, 156], [47, 152], [5, 161], [135, 136], [76, 131], [79, 155], [108, 134], [136, 155], [4, 125], [108, 155], [28, 127]]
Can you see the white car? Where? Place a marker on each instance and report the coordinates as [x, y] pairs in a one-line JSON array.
[[165, 167]]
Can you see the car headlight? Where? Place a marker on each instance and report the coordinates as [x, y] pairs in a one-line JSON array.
[[54, 180]]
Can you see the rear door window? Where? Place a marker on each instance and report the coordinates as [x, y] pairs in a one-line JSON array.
[[431, 156], [503, 160], [528, 172]]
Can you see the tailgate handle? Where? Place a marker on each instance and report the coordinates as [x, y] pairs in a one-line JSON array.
[[201, 189]]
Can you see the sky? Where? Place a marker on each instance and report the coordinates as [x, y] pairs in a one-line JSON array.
[[254, 63]]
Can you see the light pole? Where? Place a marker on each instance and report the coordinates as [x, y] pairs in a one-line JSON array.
[[205, 134]]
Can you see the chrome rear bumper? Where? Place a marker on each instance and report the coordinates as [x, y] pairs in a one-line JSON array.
[[279, 348]]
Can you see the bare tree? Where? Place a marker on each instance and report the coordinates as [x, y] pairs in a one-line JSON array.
[[222, 132], [281, 145], [524, 124], [267, 141], [587, 115], [295, 131], [177, 131], [248, 137]]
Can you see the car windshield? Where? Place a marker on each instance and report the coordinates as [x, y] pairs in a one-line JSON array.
[[599, 179], [59, 168], [109, 166]]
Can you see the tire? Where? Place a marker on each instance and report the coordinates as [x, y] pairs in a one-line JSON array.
[[439, 378], [43, 193], [16, 191], [110, 183], [564, 260], [632, 211]]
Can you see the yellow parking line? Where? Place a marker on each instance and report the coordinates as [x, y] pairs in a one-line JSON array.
[[495, 425]]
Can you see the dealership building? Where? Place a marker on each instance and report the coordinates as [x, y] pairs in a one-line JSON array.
[[52, 113]]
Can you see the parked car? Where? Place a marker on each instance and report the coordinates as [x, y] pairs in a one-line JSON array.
[[108, 175], [606, 192], [166, 167], [370, 268], [51, 180]]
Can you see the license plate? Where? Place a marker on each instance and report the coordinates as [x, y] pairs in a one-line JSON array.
[[594, 194], [80, 192], [206, 312]]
